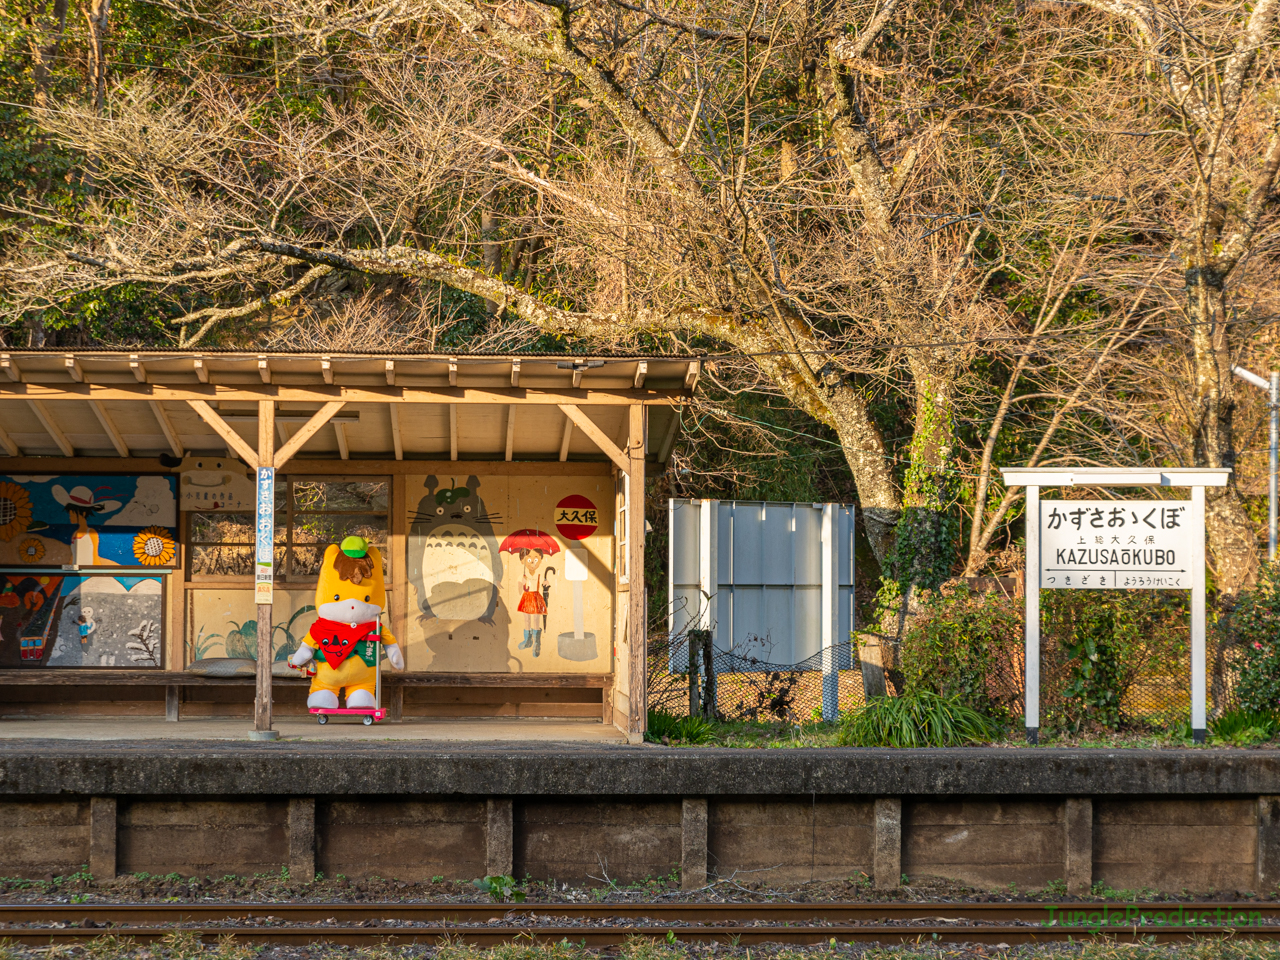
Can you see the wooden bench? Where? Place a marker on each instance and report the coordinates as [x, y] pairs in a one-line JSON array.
[[394, 683]]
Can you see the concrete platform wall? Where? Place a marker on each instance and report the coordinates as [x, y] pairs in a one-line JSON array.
[[594, 816]]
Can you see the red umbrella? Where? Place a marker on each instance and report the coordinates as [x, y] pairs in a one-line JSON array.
[[529, 540]]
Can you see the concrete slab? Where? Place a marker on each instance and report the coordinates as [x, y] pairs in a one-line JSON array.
[[297, 729]]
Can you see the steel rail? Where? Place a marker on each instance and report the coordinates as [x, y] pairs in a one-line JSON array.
[[352, 924], [681, 912]]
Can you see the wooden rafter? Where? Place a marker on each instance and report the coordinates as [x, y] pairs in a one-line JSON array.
[[224, 430], [340, 431], [117, 440], [307, 431], [52, 428], [170, 434], [564, 440], [323, 393], [7, 442], [597, 436], [511, 430], [396, 440]]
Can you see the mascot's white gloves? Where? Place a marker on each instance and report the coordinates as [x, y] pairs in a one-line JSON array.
[[394, 655], [304, 654]]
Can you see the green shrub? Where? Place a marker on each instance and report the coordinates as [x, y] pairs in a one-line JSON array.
[[919, 718], [968, 646], [1097, 643], [1243, 728], [1255, 625], [684, 729]]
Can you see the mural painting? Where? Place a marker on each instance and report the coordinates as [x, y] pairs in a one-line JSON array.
[[509, 574], [211, 484], [222, 622], [96, 620], [52, 521]]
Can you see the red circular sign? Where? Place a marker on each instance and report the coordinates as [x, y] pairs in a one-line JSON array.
[[576, 517]]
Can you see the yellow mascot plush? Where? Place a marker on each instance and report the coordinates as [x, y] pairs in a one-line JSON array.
[[350, 598]]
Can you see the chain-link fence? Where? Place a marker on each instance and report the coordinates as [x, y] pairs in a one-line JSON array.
[[1149, 682], [749, 687]]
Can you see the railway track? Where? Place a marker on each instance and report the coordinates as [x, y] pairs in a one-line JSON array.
[[608, 924]]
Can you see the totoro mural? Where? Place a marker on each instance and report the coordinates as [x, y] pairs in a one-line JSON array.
[[453, 554], [502, 579]]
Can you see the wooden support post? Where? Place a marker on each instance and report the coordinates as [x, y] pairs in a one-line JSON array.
[[511, 430], [564, 440], [1077, 827], [172, 702], [302, 839], [499, 837], [1268, 844], [453, 425], [693, 843], [395, 702], [307, 431], [262, 696], [637, 615], [886, 861], [170, 434], [223, 429], [102, 838]]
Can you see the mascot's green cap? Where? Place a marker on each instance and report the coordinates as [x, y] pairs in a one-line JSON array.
[[355, 547]]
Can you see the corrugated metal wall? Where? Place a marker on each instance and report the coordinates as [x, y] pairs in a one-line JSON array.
[[768, 597]]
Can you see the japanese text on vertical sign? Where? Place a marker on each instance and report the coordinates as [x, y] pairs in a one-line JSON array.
[[266, 522], [1114, 544]]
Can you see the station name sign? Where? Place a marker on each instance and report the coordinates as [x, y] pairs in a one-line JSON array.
[[1116, 544]]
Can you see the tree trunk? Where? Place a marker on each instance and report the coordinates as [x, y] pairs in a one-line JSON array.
[[96, 12]]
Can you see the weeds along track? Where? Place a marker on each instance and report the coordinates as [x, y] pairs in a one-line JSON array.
[[600, 925]]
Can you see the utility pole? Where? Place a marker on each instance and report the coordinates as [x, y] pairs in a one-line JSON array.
[[1272, 386]]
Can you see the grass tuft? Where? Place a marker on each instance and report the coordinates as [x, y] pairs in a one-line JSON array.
[[918, 719]]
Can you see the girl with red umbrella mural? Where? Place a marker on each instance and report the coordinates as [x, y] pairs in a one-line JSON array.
[[532, 546]]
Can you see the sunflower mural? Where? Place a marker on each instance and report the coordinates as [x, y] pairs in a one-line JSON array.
[[31, 550], [15, 510], [154, 547]]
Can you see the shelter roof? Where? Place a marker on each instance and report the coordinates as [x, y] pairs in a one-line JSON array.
[[393, 404]]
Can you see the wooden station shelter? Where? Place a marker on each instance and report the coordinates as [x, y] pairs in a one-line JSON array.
[[136, 486]]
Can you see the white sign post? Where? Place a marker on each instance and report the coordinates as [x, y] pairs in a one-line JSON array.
[[1115, 545]]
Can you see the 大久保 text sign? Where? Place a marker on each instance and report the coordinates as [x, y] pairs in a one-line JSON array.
[[1116, 544]]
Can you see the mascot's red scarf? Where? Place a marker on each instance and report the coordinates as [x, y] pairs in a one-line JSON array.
[[338, 640]]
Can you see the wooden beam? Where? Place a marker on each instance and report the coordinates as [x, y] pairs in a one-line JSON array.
[[564, 440], [515, 373], [596, 436], [668, 441], [307, 431], [262, 685], [137, 369], [170, 434], [453, 371], [10, 368], [73, 368], [453, 431], [642, 371], [223, 429], [10, 447], [391, 373], [691, 376], [637, 615], [396, 440], [326, 369], [340, 431], [322, 393], [202, 372], [60, 438], [264, 369], [117, 441], [511, 430], [577, 376]]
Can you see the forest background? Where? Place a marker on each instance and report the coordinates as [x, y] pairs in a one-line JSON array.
[[915, 241]]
